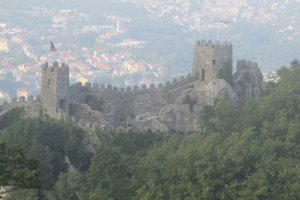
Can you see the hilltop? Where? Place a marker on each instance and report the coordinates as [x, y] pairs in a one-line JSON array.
[[242, 152]]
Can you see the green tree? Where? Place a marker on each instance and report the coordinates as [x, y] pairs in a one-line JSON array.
[[245, 152], [69, 185], [48, 141], [25, 194], [112, 168], [10, 117], [16, 170], [224, 117]]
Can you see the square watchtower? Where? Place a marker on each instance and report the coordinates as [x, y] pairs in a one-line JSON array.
[[210, 59], [54, 89]]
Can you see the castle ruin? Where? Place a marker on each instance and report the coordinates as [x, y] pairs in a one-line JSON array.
[[174, 105]]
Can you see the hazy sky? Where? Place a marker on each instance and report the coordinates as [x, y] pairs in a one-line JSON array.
[[265, 30]]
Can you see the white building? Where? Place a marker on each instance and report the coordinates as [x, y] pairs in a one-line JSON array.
[[3, 45]]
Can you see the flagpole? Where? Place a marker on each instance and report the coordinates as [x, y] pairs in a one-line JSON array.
[[48, 58], [48, 54], [219, 27], [218, 36]]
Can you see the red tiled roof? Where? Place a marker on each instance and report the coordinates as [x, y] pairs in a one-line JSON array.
[[103, 66]]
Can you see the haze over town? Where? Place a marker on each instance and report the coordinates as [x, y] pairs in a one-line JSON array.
[[128, 42]]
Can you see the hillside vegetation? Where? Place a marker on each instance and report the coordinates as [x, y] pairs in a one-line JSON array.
[[243, 152]]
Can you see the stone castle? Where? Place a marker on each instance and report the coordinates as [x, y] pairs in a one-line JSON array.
[[175, 105]]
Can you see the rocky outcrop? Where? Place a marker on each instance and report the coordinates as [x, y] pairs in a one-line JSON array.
[[4, 191], [178, 117], [151, 122], [84, 114], [248, 80]]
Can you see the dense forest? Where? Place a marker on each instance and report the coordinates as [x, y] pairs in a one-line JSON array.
[[247, 151]]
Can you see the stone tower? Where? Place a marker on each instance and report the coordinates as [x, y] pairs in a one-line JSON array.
[[210, 58], [54, 89]]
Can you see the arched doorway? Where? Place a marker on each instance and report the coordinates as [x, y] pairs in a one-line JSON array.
[[203, 75], [63, 105]]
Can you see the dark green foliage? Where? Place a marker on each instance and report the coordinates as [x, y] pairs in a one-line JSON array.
[[112, 169], [295, 62], [241, 166], [224, 117], [243, 152], [48, 141], [28, 194], [11, 117], [69, 184], [248, 152], [16, 170]]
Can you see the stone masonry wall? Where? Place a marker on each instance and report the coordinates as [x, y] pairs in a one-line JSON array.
[[120, 105], [32, 107]]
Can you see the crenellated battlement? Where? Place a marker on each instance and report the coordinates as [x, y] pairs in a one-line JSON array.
[[108, 89], [19, 103], [211, 44], [246, 65], [55, 67]]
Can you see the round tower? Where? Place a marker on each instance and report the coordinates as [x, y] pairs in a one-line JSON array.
[[210, 59], [54, 89]]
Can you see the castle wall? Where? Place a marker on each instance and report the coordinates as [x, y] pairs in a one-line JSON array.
[[158, 107], [77, 93], [120, 105], [148, 103], [109, 92], [32, 107]]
